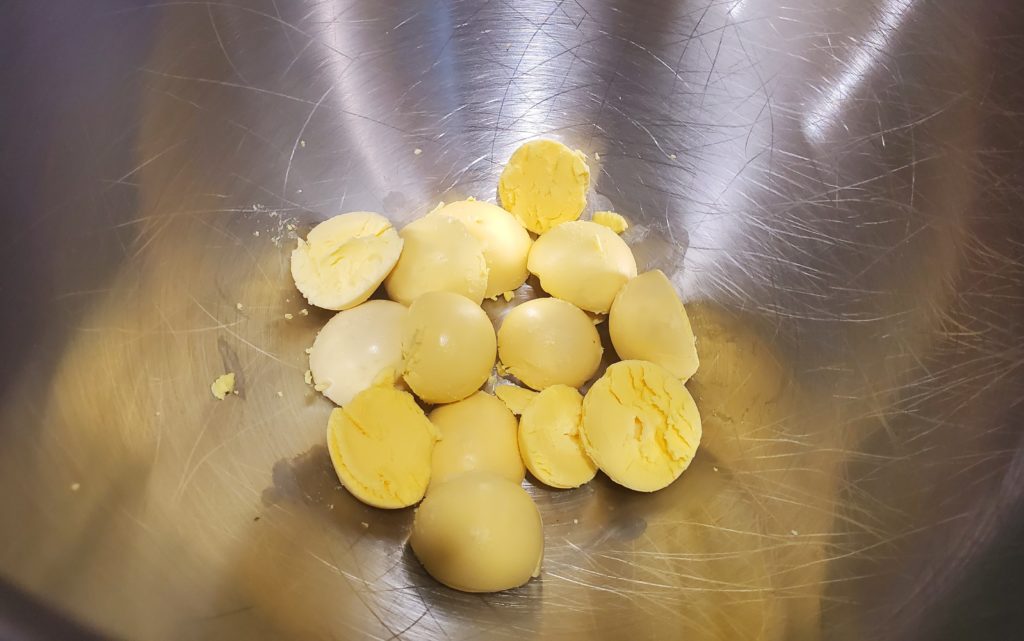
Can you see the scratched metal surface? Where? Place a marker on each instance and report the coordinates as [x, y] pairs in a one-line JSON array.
[[835, 186]]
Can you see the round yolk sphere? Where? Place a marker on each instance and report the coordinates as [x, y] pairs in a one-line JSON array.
[[344, 259], [544, 184], [548, 341], [549, 438], [506, 244], [478, 532], [640, 425], [582, 262], [439, 255], [477, 433], [647, 322], [358, 348], [448, 344]]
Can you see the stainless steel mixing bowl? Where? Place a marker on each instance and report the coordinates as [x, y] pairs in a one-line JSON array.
[[835, 185]]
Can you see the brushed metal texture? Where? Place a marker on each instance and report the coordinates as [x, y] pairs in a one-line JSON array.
[[834, 185]]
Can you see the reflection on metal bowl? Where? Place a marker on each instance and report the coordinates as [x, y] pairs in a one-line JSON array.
[[833, 185]]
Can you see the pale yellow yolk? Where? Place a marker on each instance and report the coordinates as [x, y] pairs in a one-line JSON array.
[[477, 433], [548, 341], [506, 244], [358, 348], [544, 184], [439, 255], [582, 262], [448, 344], [611, 220], [648, 322], [514, 397], [549, 438], [479, 532], [640, 425], [381, 444], [344, 259], [223, 385]]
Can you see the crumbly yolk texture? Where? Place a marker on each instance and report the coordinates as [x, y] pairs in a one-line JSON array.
[[381, 444], [544, 184], [611, 220], [344, 259], [640, 425], [648, 322], [549, 439]]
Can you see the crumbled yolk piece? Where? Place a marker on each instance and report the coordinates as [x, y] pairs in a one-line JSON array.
[[640, 425], [544, 184]]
